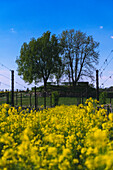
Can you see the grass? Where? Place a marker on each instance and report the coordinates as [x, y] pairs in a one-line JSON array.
[[40, 101]]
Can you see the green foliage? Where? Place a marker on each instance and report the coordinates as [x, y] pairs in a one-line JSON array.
[[55, 97], [80, 54], [73, 54], [39, 59], [103, 97]]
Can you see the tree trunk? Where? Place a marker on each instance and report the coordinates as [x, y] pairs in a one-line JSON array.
[[71, 66], [76, 67], [45, 88], [45, 85]]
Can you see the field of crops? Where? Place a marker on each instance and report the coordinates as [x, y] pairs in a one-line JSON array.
[[60, 138]]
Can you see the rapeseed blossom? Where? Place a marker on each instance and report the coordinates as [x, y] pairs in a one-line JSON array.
[[60, 138]]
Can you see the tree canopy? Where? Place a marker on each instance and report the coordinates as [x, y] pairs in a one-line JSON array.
[[79, 53], [73, 54], [39, 59]]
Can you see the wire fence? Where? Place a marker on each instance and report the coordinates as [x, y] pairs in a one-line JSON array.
[[38, 99]]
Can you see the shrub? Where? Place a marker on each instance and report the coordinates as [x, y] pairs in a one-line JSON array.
[[102, 97], [55, 97]]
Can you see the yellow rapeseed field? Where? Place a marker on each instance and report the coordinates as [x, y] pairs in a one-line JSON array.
[[61, 138]]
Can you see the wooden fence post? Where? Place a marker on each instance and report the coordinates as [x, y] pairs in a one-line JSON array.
[[12, 87], [16, 98], [97, 85], [110, 100], [7, 97], [87, 91], [35, 99], [50, 99], [82, 98], [44, 99], [30, 99], [21, 99]]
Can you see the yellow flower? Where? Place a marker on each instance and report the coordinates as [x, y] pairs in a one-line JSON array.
[[89, 151], [54, 138], [52, 151], [111, 116], [75, 161], [66, 152], [90, 164], [83, 150], [6, 106]]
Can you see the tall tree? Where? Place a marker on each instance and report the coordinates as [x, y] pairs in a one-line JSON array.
[[59, 71], [80, 54], [39, 59]]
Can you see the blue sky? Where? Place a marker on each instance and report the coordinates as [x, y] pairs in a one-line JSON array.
[[21, 20]]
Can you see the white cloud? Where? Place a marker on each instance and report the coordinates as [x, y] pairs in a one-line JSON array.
[[101, 27], [112, 37], [12, 30]]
